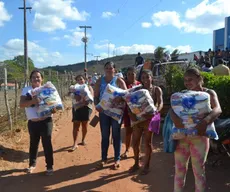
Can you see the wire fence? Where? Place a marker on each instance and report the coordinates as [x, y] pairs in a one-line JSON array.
[[11, 116]]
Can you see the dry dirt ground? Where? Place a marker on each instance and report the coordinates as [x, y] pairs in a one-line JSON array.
[[76, 171]]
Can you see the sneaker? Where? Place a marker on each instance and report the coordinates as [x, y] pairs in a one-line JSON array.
[[49, 172], [30, 169]]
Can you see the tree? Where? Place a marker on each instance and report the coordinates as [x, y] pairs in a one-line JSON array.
[[16, 68], [175, 55], [159, 53]]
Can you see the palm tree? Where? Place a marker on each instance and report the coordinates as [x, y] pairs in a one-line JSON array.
[[159, 53], [175, 55]]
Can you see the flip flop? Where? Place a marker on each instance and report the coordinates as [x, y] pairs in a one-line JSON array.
[[134, 168], [73, 148], [145, 171], [101, 165], [116, 166]]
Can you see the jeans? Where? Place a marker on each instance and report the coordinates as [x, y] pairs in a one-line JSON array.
[[43, 130], [105, 123]]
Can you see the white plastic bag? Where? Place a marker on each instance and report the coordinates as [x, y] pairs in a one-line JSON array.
[[140, 102], [114, 110], [82, 91], [190, 106], [50, 99]]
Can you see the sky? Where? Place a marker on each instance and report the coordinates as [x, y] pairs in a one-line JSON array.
[[118, 27]]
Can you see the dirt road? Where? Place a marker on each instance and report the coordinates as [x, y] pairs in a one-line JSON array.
[[76, 171]]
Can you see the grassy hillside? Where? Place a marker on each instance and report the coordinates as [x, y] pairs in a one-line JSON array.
[[120, 61]]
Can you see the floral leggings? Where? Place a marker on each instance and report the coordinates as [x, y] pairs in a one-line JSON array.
[[197, 148]]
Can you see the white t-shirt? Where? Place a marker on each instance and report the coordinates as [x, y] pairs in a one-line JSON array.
[[31, 112]]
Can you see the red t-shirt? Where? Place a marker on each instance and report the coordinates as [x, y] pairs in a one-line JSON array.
[[127, 122]]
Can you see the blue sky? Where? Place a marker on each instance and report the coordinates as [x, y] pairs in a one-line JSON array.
[[125, 26]]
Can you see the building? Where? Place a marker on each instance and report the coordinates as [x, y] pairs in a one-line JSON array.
[[190, 56], [221, 37], [10, 86]]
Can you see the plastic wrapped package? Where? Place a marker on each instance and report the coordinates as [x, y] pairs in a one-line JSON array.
[[191, 106], [140, 102], [82, 91], [50, 99], [107, 104]]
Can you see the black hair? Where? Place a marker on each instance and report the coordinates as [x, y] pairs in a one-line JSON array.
[[78, 76], [195, 72], [110, 63], [131, 69], [207, 64], [220, 61], [36, 71]]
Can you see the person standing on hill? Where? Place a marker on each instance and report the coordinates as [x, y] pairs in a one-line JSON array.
[[139, 59]]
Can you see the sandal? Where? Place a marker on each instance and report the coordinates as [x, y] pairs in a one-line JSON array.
[[145, 171], [116, 165], [124, 155], [101, 164], [73, 148], [134, 168]]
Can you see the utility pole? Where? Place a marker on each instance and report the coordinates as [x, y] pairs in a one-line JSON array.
[[25, 44], [97, 58], [85, 40]]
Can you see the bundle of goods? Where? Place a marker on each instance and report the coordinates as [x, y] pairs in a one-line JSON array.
[[49, 99], [191, 107], [84, 93], [140, 102], [108, 104]]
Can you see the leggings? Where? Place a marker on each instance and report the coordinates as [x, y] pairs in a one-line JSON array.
[[197, 148]]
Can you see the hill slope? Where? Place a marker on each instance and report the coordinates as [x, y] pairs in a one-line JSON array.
[[120, 61]]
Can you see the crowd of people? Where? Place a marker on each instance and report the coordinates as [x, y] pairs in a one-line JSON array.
[[197, 148]]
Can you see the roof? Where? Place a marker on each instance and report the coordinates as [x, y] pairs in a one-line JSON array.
[[8, 84]]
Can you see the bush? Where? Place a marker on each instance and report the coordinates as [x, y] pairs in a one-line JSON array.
[[221, 84]]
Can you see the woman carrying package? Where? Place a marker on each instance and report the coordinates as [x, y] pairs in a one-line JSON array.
[[142, 127], [81, 116], [105, 121], [130, 82], [196, 147], [38, 127]]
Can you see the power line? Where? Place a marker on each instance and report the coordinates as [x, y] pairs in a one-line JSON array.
[[138, 19], [122, 5]]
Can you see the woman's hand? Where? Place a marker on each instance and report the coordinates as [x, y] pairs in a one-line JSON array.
[[35, 100], [118, 100], [77, 98], [201, 128], [99, 109], [147, 116]]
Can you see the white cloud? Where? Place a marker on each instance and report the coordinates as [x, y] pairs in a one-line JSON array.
[[4, 15], [146, 24], [135, 48], [181, 48], [104, 46], [55, 38], [40, 55], [107, 15], [48, 23], [51, 14], [163, 18], [75, 38], [203, 18]]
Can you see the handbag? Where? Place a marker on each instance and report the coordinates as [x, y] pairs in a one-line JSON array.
[[154, 125]]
